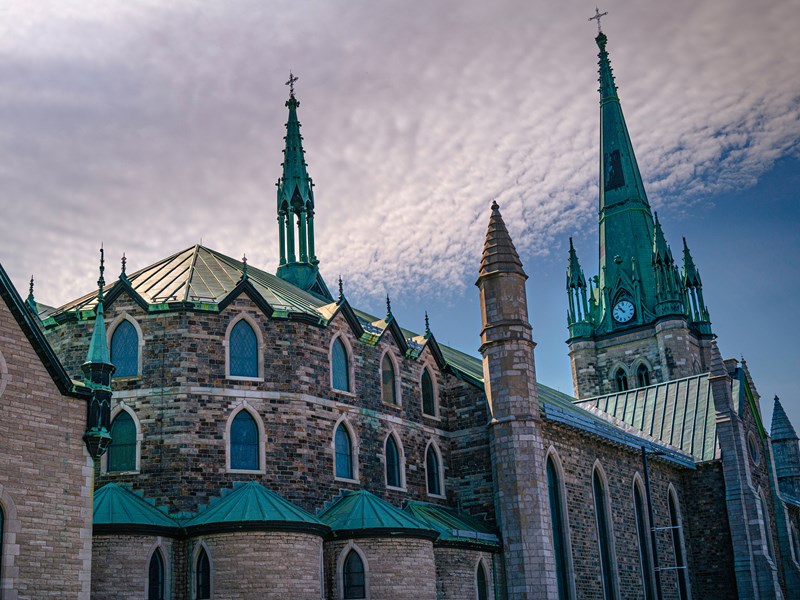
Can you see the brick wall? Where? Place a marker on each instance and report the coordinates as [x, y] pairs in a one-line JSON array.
[[456, 573]]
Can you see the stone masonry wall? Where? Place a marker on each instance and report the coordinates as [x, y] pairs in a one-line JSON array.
[[120, 566], [45, 478], [397, 568], [456, 573]]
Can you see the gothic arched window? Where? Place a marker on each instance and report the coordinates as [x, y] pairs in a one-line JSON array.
[[340, 366], [561, 545], [482, 582], [645, 547], [433, 471], [604, 537], [642, 376], [354, 582], [388, 384], [428, 397], [344, 453], [244, 442], [202, 576], [125, 350], [2, 534], [155, 577], [393, 478], [677, 546], [243, 347], [122, 451], [621, 380]]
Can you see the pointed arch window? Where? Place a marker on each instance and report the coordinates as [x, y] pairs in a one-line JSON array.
[[202, 576], [482, 582], [388, 383], [344, 453], [122, 451], [340, 366], [353, 576], [561, 545], [681, 570], [621, 380], [428, 396], [243, 350], [244, 442], [642, 376], [2, 539], [125, 350], [795, 542], [393, 478], [433, 471], [155, 578], [645, 548], [604, 537]]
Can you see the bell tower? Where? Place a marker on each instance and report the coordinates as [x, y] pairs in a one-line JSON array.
[[640, 320]]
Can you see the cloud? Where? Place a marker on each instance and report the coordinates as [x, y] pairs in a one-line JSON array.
[[150, 128]]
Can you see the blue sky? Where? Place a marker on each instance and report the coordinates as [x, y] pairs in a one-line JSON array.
[[152, 126]]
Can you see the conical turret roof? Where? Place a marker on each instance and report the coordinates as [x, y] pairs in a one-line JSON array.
[[782, 428], [360, 510], [116, 505], [499, 253]]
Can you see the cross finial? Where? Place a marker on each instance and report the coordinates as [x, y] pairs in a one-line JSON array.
[[101, 282], [341, 289], [388, 307], [124, 263], [290, 83], [427, 324], [597, 16], [30, 290], [244, 266]]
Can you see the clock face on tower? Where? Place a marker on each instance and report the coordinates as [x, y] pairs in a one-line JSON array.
[[623, 311]]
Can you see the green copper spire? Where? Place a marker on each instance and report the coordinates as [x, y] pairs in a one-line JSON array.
[[298, 260], [694, 304], [578, 316], [97, 372]]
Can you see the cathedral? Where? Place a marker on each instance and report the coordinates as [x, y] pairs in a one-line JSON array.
[[205, 429]]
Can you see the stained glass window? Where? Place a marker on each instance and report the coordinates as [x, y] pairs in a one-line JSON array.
[[244, 442], [392, 463], [642, 376], [202, 576], [344, 456], [353, 575], [607, 568], [155, 585], [122, 451], [125, 350], [432, 464], [243, 346], [482, 583], [340, 366], [560, 541], [645, 548], [387, 381], [428, 399], [677, 545]]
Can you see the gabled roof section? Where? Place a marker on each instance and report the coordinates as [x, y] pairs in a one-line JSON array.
[[27, 323], [454, 528], [361, 513], [253, 504], [117, 507], [680, 413]]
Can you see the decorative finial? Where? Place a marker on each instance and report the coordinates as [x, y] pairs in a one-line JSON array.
[[101, 282], [427, 324], [495, 205], [290, 83], [124, 263], [388, 307], [244, 266], [341, 289], [30, 289], [597, 16]]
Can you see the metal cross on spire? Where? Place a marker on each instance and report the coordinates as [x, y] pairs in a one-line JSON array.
[[597, 16], [290, 83]]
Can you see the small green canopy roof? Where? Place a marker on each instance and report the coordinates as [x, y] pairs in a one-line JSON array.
[[360, 511], [453, 527], [252, 503], [116, 505]]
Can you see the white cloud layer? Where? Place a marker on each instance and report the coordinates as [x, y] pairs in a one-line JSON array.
[[152, 127]]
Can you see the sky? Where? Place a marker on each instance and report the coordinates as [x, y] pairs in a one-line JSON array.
[[153, 126]]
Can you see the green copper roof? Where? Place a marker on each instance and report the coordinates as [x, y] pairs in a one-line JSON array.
[[361, 510], [117, 505], [453, 527], [251, 502]]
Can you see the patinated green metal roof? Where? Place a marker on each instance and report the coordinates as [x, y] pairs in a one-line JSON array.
[[679, 413], [116, 505], [251, 502], [453, 527], [361, 511]]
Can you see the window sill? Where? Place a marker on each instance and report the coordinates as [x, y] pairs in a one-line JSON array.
[[437, 496], [432, 417], [344, 393], [346, 480], [126, 378], [246, 471], [396, 489], [237, 378], [390, 405], [134, 472]]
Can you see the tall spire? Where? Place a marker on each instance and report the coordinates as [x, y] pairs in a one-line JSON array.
[[499, 253], [298, 259], [97, 372], [694, 304]]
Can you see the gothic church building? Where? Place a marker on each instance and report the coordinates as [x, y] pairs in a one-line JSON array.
[[208, 430]]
